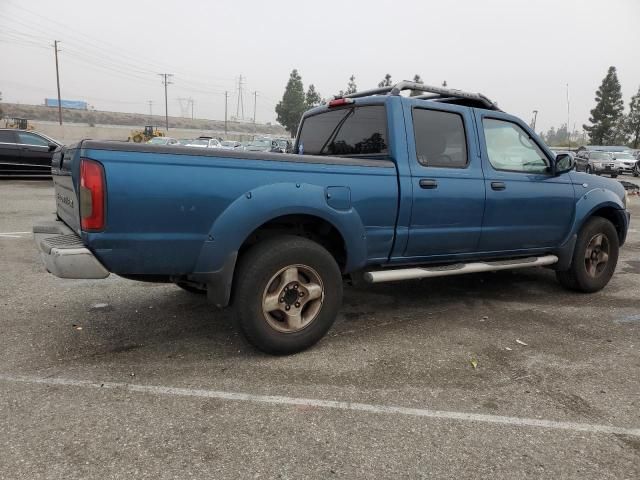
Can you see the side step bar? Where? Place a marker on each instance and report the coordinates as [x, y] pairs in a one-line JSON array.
[[457, 269]]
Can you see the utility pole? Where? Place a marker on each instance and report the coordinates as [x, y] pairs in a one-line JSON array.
[[226, 98], [166, 81], [533, 121], [255, 101], [568, 116], [150, 102], [55, 47], [240, 107]]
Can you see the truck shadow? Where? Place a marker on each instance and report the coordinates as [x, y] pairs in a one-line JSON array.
[[162, 321]]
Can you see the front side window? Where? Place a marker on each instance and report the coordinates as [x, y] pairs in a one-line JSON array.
[[510, 148], [440, 138], [31, 139], [346, 131]]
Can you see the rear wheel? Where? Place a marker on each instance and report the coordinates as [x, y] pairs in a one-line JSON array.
[[287, 295], [594, 258]]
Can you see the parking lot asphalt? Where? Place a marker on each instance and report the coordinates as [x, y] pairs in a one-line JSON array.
[[119, 379]]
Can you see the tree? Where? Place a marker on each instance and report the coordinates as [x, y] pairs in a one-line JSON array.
[[605, 117], [292, 105], [312, 98], [386, 82], [416, 79], [351, 86], [632, 123]]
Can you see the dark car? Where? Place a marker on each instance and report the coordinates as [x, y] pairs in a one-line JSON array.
[[25, 154]]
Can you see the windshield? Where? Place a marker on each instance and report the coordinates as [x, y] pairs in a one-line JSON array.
[[624, 156], [600, 156]]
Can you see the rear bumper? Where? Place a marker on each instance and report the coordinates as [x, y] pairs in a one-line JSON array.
[[64, 254]]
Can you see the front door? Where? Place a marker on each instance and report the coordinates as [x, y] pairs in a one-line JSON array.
[[446, 176], [527, 207], [35, 152]]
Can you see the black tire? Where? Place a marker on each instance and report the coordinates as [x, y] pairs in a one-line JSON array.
[[257, 273], [588, 169], [614, 175], [635, 173], [191, 289], [577, 277]]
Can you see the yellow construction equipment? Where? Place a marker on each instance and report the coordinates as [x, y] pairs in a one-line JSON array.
[[149, 132]]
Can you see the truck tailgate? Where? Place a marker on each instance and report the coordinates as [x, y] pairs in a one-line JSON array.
[[63, 163]]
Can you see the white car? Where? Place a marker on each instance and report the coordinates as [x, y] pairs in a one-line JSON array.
[[204, 142], [626, 161], [164, 141]]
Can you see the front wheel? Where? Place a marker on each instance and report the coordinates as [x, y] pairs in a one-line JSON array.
[[287, 295], [594, 258], [588, 169]]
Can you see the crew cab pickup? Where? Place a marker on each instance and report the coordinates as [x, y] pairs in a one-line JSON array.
[[381, 187]]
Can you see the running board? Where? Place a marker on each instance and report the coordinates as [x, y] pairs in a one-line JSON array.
[[457, 269]]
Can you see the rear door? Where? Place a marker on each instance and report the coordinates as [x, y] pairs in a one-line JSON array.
[[446, 176], [9, 152], [35, 152], [527, 206]]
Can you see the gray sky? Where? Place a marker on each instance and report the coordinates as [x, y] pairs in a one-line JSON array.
[[521, 53]]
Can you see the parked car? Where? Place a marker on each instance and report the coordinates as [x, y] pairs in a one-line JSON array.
[[285, 146], [230, 145], [598, 163], [263, 145], [626, 161], [384, 187], [167, 141], [204, 142], [26, 153]]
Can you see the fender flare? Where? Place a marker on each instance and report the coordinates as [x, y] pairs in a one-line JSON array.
[[260, 205]]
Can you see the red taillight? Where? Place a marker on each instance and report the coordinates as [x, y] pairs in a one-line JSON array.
[[92, 195], [340, 101]]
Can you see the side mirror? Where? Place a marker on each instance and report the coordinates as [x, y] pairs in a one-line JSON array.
[[564, 163], [52, 147]]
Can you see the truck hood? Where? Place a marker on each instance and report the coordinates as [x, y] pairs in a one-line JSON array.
[[595, 181]]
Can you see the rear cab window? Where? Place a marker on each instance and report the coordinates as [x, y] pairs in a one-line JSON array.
[[351, 131]]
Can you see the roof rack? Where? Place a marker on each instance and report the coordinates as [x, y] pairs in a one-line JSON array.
[[438, 94]]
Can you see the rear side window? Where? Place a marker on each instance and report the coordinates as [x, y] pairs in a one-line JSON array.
[[7, 137], [347, 131], [31, 139], [440, 138]]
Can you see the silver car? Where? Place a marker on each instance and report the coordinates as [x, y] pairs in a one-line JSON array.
[[626, 160]]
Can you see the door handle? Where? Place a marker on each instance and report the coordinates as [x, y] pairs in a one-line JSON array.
[[498, 186], [428, 183]]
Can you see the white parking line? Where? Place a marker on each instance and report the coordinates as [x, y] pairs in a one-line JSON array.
[[310, 402], [14, 233]]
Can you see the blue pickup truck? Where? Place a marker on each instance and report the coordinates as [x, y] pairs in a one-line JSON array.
[[382, 187]]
